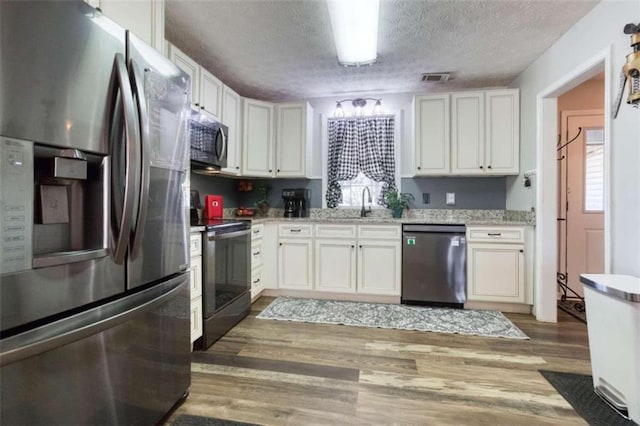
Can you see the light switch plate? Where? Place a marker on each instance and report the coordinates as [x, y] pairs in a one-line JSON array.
[[451, 198]]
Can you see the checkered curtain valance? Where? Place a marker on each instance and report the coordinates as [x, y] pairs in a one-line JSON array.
[[360, 144]]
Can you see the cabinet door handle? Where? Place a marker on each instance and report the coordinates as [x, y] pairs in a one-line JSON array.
[[419, 167], [295, 230], [197, 104], [237, 167], [270, 170], [255, 253], [494, 234], [257, 281], [202, 107], [280, 244], [353, 246], [481, 167], [256, 232], [360, 246], [521, 251], [488, 167]]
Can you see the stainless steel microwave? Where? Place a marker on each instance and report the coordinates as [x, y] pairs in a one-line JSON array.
[[208, 143]]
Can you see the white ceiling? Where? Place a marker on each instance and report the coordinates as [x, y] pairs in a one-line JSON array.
[[283, 49]]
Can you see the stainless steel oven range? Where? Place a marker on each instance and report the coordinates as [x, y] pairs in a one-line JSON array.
[[226, 295]]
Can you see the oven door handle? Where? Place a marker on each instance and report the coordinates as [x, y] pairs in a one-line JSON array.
[[212, 236]]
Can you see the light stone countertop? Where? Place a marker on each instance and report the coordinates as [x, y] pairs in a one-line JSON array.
[[383, 217]]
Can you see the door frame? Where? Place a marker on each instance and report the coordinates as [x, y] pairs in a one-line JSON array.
[[546, 255]]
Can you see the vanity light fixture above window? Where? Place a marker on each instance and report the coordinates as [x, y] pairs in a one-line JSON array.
[[358, 105], [355, 30]]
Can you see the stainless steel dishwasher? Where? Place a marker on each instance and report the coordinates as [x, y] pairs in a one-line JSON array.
[[434, 265]]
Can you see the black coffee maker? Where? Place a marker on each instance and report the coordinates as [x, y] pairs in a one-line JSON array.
[[296, 202]]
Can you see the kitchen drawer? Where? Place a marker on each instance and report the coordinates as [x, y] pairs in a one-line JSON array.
[[256, 254], [195, 244], [257, 230], [256, 279], [195, 277], [299, 230], [336, 231], [484, 234], [196, 319], [380, 232]]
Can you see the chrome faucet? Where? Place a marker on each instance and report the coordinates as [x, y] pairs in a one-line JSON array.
[[363, 212]]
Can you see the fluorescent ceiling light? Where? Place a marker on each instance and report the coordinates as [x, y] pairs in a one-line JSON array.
[[355, 30]]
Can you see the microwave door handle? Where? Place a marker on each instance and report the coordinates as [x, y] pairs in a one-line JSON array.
[[120, 81], [224, 145], [137, 84]]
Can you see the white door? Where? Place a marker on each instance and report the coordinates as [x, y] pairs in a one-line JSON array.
[[335, 265], [257, 139], [210, 93], [495, 272], [295, 264], [291, 140], [467, 133], [231, 117], [432, 135], [502, 140], [584, 169], [379, 267]]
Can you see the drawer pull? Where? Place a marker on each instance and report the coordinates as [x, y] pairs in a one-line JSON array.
[[256, 231], [295, 230], [494, 234], [256, 281], [255, 253]]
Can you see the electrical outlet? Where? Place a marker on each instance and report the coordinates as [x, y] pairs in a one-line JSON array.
[[451, 198], [426, 198]]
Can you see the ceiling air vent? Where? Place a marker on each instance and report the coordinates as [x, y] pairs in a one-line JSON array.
[[435, 77]]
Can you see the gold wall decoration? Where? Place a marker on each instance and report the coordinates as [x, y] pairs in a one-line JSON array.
[[630, 71]]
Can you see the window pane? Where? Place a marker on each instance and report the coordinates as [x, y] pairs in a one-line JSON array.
[[352, 191], [594, 171]]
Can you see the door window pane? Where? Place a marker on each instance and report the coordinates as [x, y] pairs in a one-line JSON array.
[[594, 170]]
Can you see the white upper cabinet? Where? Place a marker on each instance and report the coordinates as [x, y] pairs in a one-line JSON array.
[[188, 65], [502, 140], [145, 18], [467, 133], [210, 98], [232, 118], [206, 89], [293, 139], [257, 138], [432, 135], [283, 139]]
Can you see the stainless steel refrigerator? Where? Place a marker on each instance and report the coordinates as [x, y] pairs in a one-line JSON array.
[[93, 202]]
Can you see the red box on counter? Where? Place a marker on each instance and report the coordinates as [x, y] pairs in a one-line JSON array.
[[212, 206]]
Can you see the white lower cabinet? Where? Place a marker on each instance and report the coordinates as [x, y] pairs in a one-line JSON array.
[[379, 267], [257, 282], [335, 265], [496, 269], [195, 284], [295, 263], [370, 264]]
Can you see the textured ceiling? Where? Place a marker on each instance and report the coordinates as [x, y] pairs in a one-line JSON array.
[[283, 49]]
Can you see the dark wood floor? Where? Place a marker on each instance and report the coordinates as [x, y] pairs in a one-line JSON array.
[[277, 372]]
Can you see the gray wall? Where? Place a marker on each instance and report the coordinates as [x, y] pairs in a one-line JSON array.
[[471, 193]]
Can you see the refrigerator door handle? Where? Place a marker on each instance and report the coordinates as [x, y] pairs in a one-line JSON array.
[[86, 323], [137, 84], [120, 82]]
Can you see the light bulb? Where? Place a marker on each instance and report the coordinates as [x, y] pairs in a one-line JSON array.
[[339, 112], [377, 110]]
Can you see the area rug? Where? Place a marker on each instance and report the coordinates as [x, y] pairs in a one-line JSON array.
[[577, 389], [190, 420], [382, 315]]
